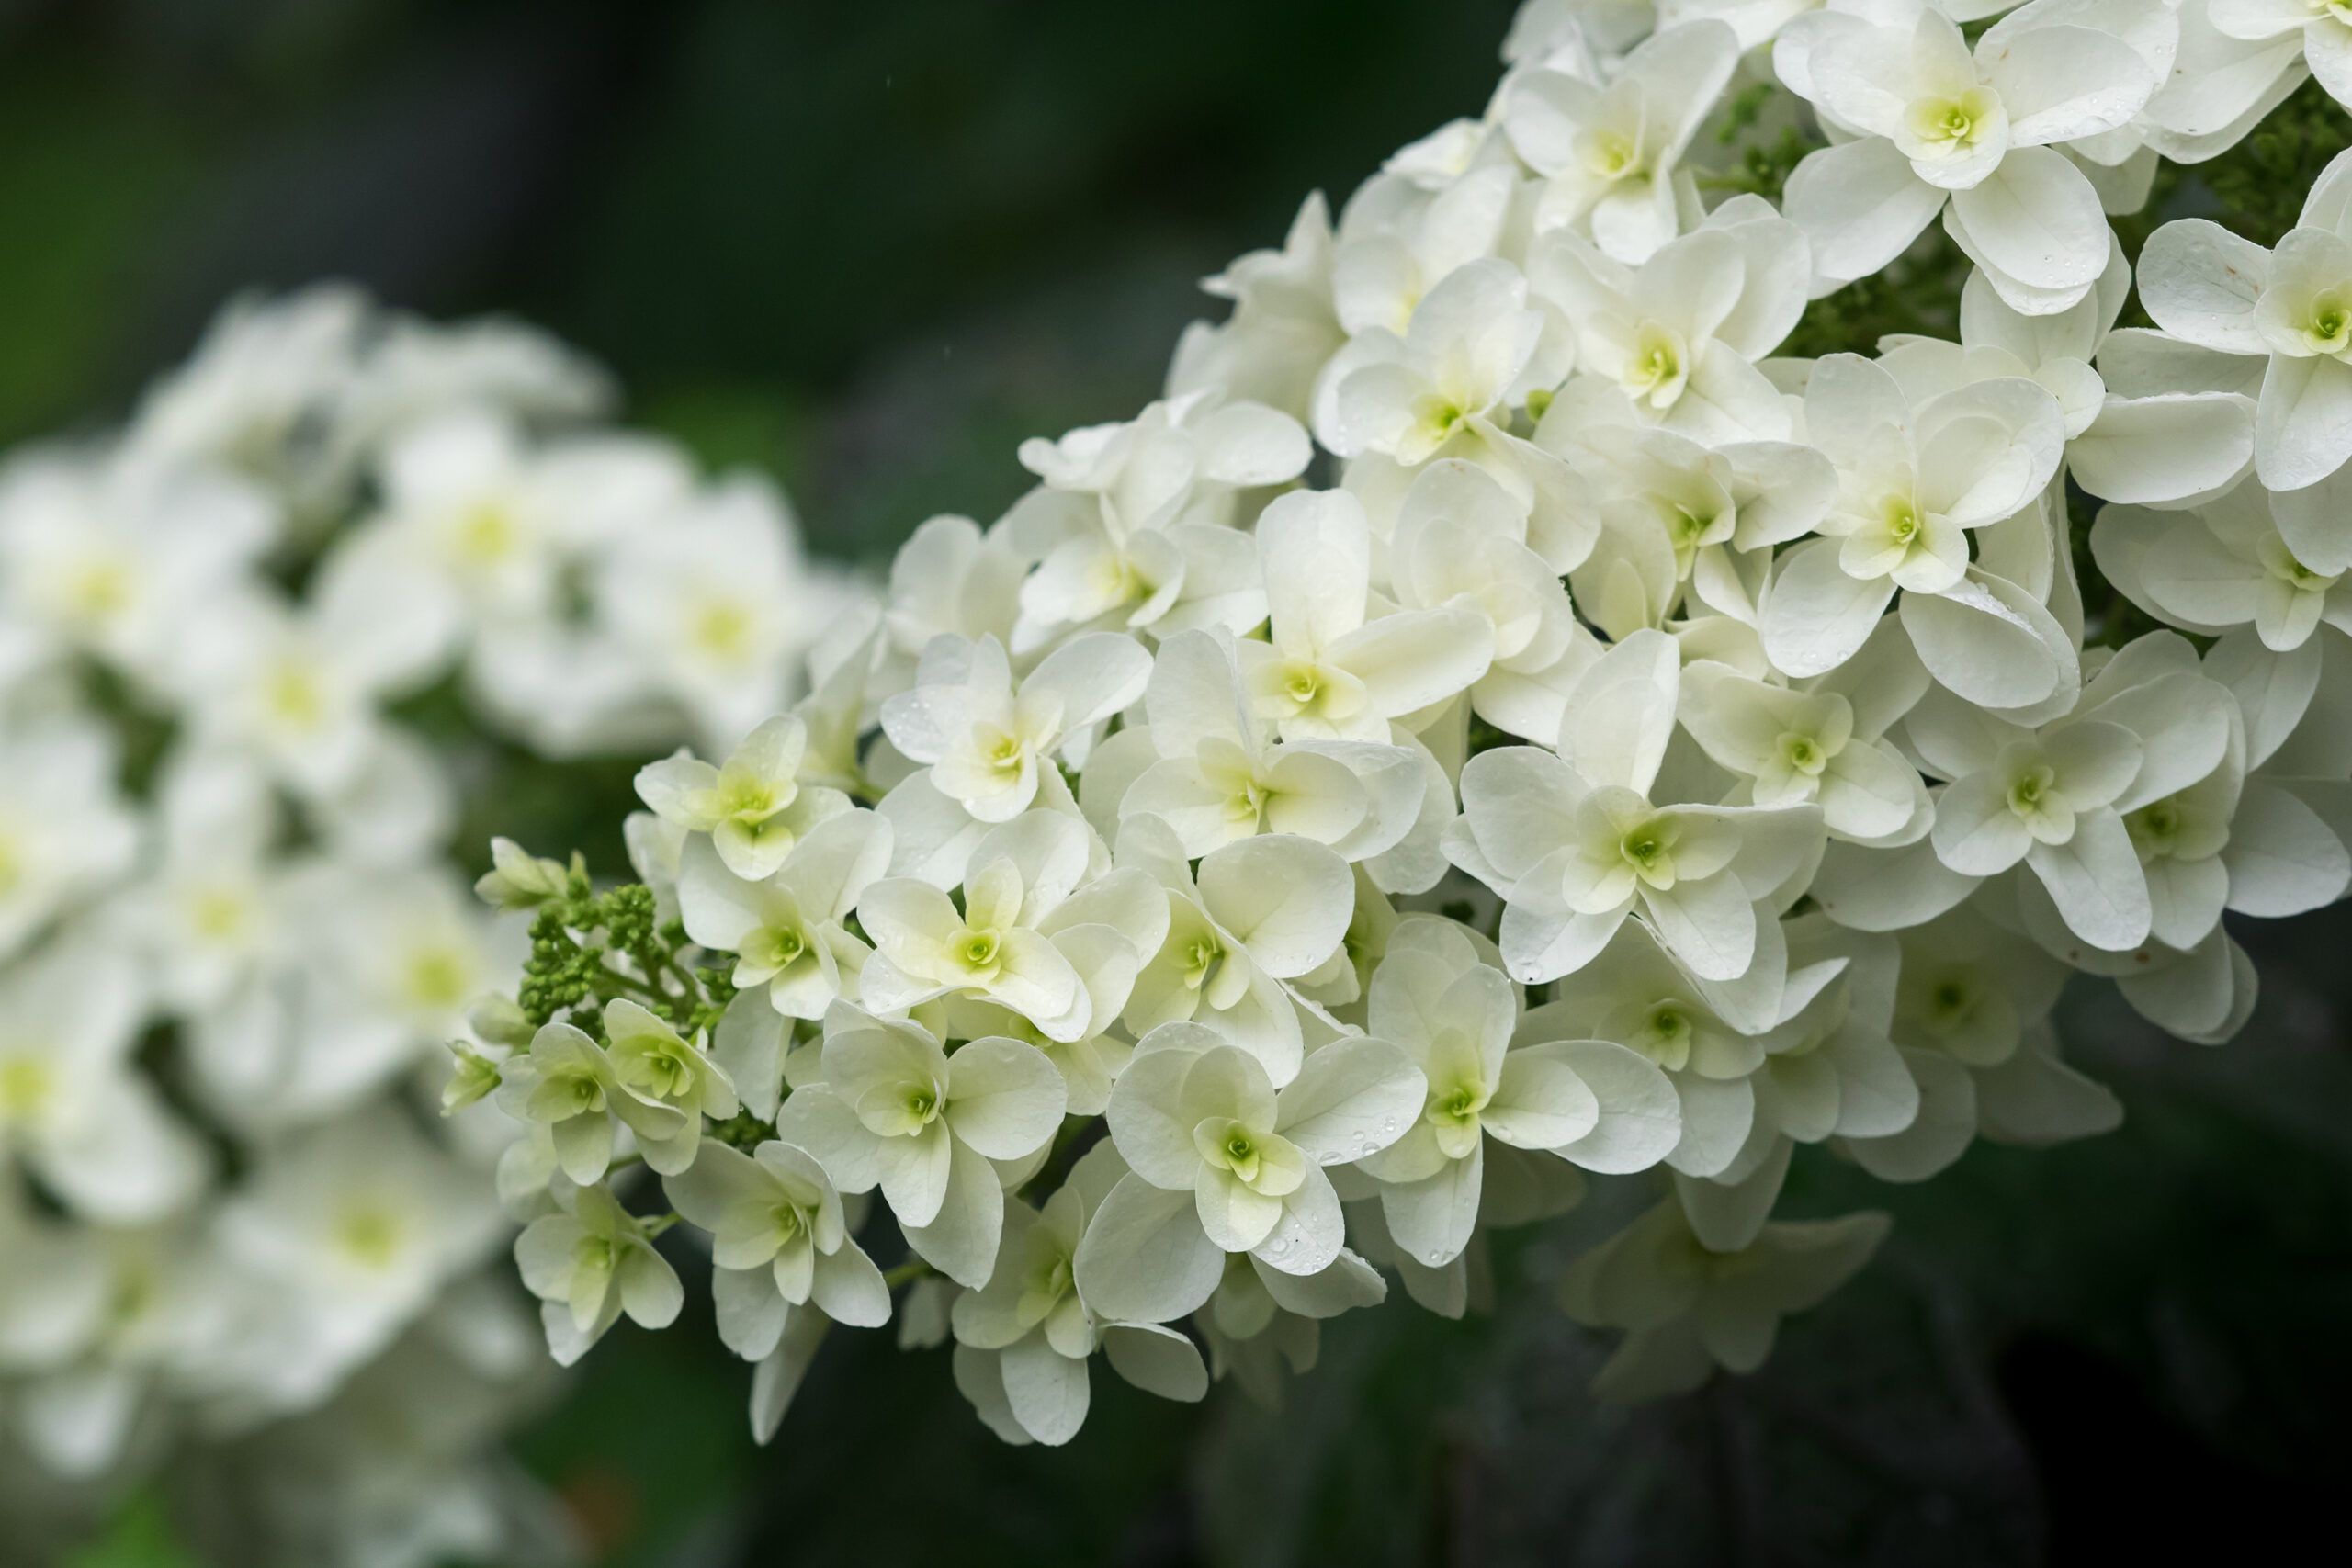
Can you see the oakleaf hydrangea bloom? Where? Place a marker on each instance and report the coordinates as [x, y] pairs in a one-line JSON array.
[[243, 1256], [1560, 700]]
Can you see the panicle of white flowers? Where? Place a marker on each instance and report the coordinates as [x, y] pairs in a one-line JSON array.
[[253, 644], [1499, 731]]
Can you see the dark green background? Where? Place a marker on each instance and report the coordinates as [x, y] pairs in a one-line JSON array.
[[868, 247]]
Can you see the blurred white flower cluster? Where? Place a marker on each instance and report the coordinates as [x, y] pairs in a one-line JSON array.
[[259, 649], [1498, 723]]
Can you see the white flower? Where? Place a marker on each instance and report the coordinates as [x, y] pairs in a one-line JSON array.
[[1220, 777], [787, 930], [589, 1263], [101, 1329], [1455, 372], [566, 1082], [1705, 1037], [1282, 327], [301, 687], [1400, 242], [75, 1110], [416, 369], [1332, 669], [1691, 1310], [474, 508], [986, 742], [1257, 913], [714, 606], [2210, 287], [1609, 151], [1135, 521], [349, 1228], [775, 1212], [754, 805], [214, 909], [1673, 341], [1462, 540], [653, 1061], [1686, 525], [1222, 1162], [1816, 744], [1454, 1017], [2156, 441], [111, 558], [64, 830], [948, 580], [2053, 799], [1575, 844], [2229, 564], [1024, 1340], [1002, 945], [1829, 1064], [253, 397], [1914, 482], [1938, 120], [895, 1111]]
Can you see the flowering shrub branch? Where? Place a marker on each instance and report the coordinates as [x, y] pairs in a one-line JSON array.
[[1599, 669]]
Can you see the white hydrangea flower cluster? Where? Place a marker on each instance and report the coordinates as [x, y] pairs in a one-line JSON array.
[[1498, 722], [256, 649]]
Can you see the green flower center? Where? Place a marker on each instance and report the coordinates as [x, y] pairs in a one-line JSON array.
[[666, 1073], [1610, 155], [27, 1083], [782, 947], [2330, 326], [1950, 124], [1646, 851], [1804, 754], [2155, 827], [2032, 790], [1199, 959], [1901, 520], [369, 1235], [438, 978]]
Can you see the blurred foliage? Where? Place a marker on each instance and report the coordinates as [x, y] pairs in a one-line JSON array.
[[139, 1537], [868, 248]]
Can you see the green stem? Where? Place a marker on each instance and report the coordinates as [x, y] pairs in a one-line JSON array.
[[621, 982]]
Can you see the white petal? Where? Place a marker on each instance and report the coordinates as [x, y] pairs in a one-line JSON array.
[[1815, 616], [1352, 1098], [2200, 282], [1288, 898], [2036, 220], [1144, 1257], [2302, 423], [1860, 206], [1004, 1098], [2096, 881], [960, 1241]]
